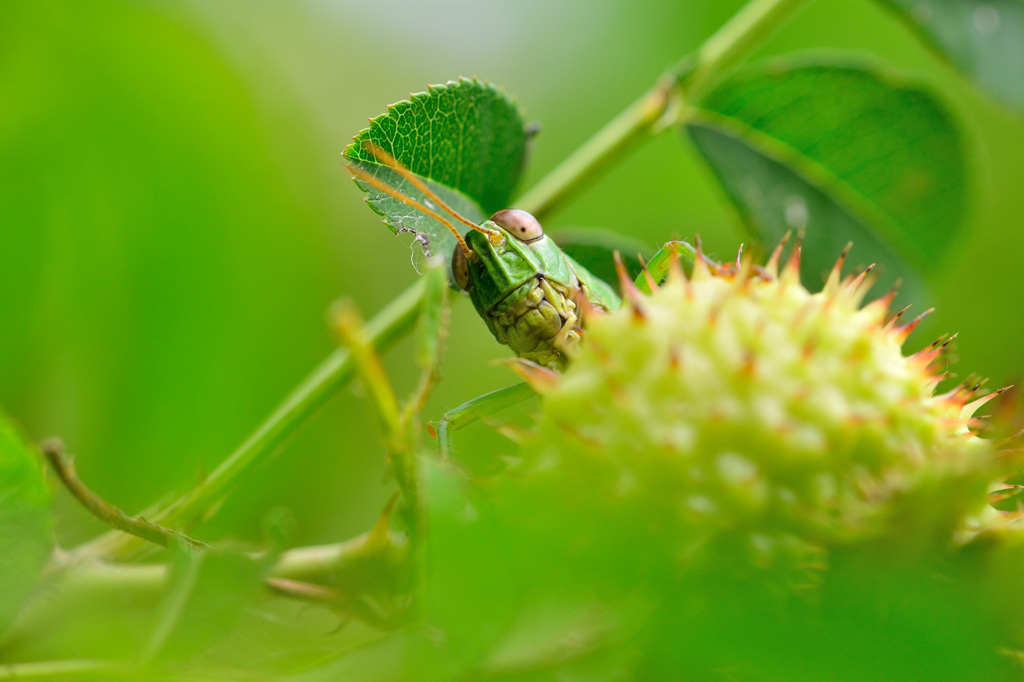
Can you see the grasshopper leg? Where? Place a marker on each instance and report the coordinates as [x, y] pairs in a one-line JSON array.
[[660, 264], [479, 407]]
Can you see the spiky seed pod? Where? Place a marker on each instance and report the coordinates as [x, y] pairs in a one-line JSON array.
[[734, 403]]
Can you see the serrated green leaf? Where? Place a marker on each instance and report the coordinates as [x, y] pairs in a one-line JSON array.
[[26, 535], [466, 138], [983, 38], [849, 152], [209, 593]]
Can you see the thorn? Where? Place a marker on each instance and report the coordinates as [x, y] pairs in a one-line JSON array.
[[630, 293], [675, 269], [856, 287], [879, 307], [926, 356], [700, 264], [772, 266], [739, 258], [648, 277], [513, 432], [540, 378], [834, 277], [969, 409], [379, 533], [903, 332], [791, 271], [587, 310], [892, 321]]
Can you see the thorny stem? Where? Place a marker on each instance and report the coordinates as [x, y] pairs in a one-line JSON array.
[[54, 451], [384, 330], [665, 104]]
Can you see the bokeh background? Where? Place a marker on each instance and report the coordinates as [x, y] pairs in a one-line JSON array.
[[175, 216]]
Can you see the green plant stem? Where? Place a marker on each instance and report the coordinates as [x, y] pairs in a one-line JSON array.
[[587, 161], [54, 451], [385, 329], [349, 326], [686, 82], [747, 30]]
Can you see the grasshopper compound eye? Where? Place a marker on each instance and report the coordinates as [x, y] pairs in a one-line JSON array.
[[519, 224], [460, 268]]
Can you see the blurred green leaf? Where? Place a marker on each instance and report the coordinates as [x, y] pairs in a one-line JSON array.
[[384, 659], [466, 138], [983, 38], [26, 536], [470, 592], [849, 152], [209, 593]]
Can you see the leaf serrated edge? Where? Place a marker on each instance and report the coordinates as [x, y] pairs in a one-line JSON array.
[[351, 149]]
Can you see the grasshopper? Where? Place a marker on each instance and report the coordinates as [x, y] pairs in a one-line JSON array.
[[533, 296]]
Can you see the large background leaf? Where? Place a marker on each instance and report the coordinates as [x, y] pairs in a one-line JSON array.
[[984, 38], [846, 151], [25, 534], [466, 137]]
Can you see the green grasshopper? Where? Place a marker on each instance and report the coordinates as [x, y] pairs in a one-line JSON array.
[[533, 296]]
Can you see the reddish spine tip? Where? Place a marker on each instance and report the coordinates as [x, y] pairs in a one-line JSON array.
[[892, 321], [772, 265], [630, 293], [700, 263], [834, 277], [857, 282], [904, 331], [648, 277], [540, 378], [791, 271]]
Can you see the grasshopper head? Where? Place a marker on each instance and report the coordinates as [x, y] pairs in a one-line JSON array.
[[513, 225]]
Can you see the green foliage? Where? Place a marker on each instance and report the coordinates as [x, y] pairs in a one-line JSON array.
[[144, 177], [984, 38], [26, 537], [847, 152]]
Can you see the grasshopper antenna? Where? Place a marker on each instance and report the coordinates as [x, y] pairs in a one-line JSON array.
[[370, 180], [391, 162]]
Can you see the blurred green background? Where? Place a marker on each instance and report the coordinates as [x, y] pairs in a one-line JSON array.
[[175, 216]]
